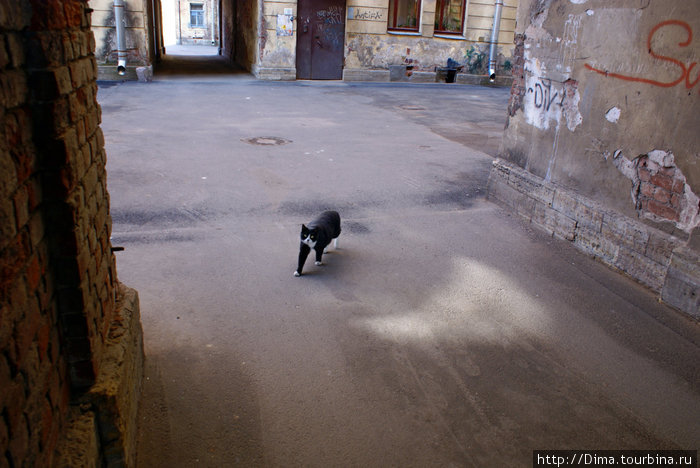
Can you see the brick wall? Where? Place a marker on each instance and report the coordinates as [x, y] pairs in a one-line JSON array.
[[517, 90], [57, 271]]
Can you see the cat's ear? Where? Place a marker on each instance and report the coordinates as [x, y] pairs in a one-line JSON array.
[[304, 228]]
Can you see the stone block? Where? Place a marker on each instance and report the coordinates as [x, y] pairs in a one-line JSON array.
[[422, 77], [145, 74], [275, 74], [660, 247], [641, 268], [682, 286], [532, 186], [595, 244], [625, 231], [554, 222], [565, 202], [350, 74], [397, 73]]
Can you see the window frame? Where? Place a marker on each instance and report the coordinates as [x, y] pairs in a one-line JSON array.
[[439, 12], [392, 18], [199, 14]]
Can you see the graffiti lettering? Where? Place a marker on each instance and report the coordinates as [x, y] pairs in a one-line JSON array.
[[684, 70], [333, 15], [368, 15], [545, 95]]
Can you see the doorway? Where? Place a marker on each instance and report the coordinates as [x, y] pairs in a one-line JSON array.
[[320, 39], [191, 27]]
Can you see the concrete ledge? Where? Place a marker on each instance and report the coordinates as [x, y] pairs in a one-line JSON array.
[[359, 74], [483, 80], [109, 73], [657, 260], [400, 73], [275, 74]]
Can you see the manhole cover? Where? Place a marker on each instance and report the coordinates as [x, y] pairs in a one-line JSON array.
[[410, 107], [266, 141]]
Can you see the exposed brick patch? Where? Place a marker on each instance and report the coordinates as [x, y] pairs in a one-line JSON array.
[[518, 89], [660, 191]]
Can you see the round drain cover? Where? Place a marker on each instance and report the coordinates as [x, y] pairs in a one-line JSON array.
[[266, 141]]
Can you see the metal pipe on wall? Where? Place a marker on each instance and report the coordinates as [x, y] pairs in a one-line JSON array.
[[494, 39], [120, 21]]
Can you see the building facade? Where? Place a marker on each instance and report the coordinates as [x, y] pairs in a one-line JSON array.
[[602, 145], [381, 40], [196, 22], [376, 40]]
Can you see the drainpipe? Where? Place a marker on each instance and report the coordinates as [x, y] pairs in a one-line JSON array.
[[121, 36], [494, 40], [213, 36]]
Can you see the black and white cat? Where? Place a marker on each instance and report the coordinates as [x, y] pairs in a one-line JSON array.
[[318, 235]]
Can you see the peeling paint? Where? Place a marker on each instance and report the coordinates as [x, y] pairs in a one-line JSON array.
[[613, 115], [371, 51], [548, 101]]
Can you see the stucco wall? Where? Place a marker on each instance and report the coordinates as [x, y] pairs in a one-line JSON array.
[[276, 51], [186, 33], [606, 104], [369, 46]]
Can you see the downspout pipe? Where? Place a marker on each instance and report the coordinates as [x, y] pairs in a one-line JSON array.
[[119, 19], [494, 39]]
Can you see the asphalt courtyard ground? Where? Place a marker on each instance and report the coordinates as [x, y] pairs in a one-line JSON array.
[[443, 332]]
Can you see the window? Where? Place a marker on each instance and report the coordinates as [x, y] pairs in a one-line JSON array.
[[404, 15], [449, 17], [196, 15]]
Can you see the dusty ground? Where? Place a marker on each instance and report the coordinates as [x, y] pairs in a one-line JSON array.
[[443, 332]]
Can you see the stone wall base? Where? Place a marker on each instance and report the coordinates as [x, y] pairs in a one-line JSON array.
[[109, 73], [274, 74], [103, 427], [360, 74], [403, 74], [658, 260]]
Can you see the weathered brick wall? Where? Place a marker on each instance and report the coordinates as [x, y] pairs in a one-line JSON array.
[[57, 272], [517, 90]]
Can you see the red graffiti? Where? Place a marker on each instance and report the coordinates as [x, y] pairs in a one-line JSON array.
[[685, 71]]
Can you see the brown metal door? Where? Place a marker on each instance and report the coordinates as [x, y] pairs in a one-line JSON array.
[[320, 39]]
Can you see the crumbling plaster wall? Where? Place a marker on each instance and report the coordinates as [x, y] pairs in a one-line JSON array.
[[137, 32], [370, 46], [601, 146], [606, 104], [276, 54]]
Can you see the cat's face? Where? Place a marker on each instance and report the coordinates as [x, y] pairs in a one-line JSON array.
[[308, 236]]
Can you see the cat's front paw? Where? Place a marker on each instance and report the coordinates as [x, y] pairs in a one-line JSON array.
[[319, 263], [296, 273]]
